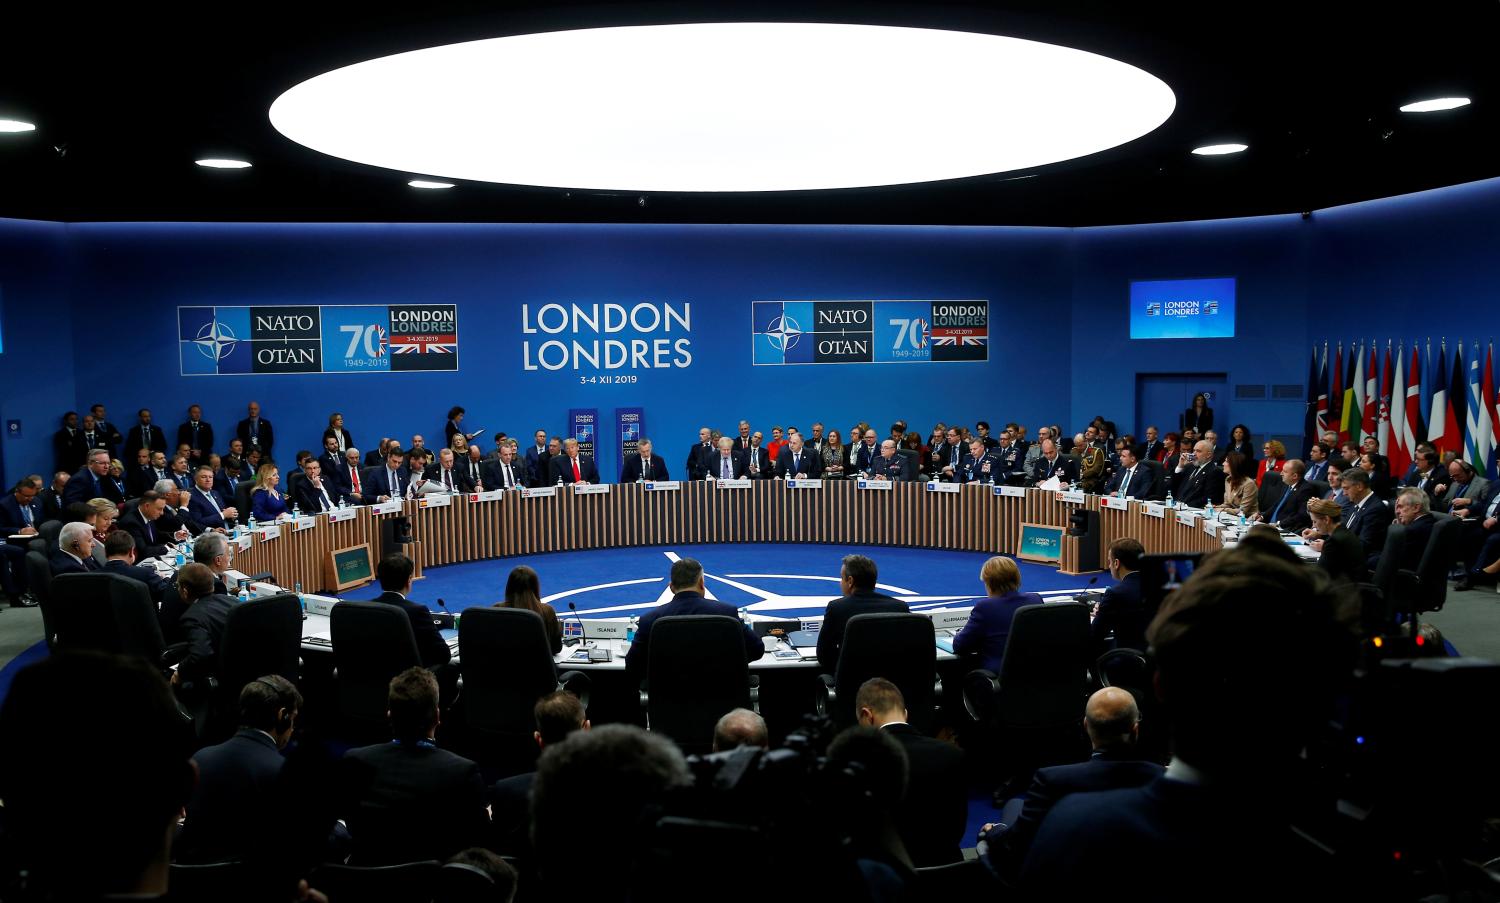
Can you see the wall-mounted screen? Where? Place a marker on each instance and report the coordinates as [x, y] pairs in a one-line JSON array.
[[1182, 309]]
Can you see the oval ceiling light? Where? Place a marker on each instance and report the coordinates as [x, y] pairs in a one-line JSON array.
[[1435, 105], [423, 183], [223, 163], [1218, 150], [16, 125], [748, 106]]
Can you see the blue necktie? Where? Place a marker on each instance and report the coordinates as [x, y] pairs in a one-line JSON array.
[[1277, 510]]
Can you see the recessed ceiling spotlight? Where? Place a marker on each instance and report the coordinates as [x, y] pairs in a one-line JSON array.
[[423, 183], [1218, 150], [223, 163], [1435, 105], [725, 106], [16, 125]]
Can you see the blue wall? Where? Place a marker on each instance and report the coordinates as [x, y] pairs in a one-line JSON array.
[[89, 315]]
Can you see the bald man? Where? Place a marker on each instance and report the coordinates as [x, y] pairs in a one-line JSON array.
[[740, 727], [1112, 720]]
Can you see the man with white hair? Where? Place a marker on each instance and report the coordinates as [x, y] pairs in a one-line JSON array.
[[1197, 481], [740, 727], [75, 550]]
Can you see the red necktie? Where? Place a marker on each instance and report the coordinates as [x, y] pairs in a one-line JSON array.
[[577, 477], [354, 477]]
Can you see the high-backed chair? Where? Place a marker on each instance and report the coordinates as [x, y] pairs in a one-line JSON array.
[[242, 492], [293, 483], [261, 636], [1389, 561], [230, 882], [372, 643], [901, 648], [696, 672], [49, 531], [1426, 588], [105, 612], [39, 582], [1035, 704]]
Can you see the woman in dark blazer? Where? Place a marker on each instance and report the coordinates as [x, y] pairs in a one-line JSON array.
[[989, 623], [336, 431], [523, 589], [1199, 416], [1239, 441], [1343, 554]]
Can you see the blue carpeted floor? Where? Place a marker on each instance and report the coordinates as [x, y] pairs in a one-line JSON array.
[[772, 579]]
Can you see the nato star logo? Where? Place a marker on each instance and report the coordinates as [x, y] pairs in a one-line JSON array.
[[215, 341], [784, 333]]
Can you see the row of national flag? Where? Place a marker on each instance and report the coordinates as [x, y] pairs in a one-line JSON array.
[[1404, 397]]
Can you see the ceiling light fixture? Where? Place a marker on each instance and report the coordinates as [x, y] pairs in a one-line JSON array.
[[1218, 150], [16, 125], [739, 106], [1435, 105], [423, 183], [223, 163]]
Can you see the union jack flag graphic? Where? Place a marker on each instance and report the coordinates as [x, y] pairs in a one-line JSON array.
[[960, 340]]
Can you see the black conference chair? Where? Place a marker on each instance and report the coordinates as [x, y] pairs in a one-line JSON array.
[[1131, 670], [1426, 588], [261, 636], [293, 483], [1389, 562], [902, 648], [408, 882], [1158, 490], [372, 643], [507, 667], [219, 881], [242, 492], [106, 613], [696, 672], [39, 582], [48, 531], [967, 880], [1034, 707]]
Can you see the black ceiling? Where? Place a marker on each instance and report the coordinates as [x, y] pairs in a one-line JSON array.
[[125, 101]]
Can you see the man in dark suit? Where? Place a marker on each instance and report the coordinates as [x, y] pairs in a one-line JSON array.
[[1317, 463], [1121, 612], [315, 492], [446, 475], [407, 799], [541, 475], [68, 450], [389, 481], [857, 578], [932, 816], [1008, 456], [558, 714], [1152, 446], [863, 453], [1465, 487], [473, 464], [113, 440], [351, 477], [797, 462], [1131, 475], [573, 467], [742, 441], [509, 472], [948, 456], [75, 550], [1413, 511], [1289, 511], [699, 454], [758, 463], [537, 449], [228, 813], [725, 463], [141, 522], [92, 482], [229, 477], [1198, 481], [144, 434], [19, 515], [53, 499], [119, 549], [197, 435], [255, 432], [1481, 537], [644, 465], [892, 465], [688, 598], [395, 575], [333, 461], [1369, 518], [1230, 794], [1429, 475], [1050, 463], [140, 475], [1112, 720], [201, 624]]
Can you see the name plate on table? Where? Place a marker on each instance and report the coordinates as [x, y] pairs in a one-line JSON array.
[[435, 500], [1115, 503], [394, 506], [876, 484], [804, 484], [319, 605], [541, 492], [949, 619], [734, 484], [270, 532], [1187, 518], [491, 495], [590, 488], [605, 628], [339, 515], [304, 523], [664, 486], [241, 542], [935, 486], [1072, 497], [1152, 509], [1211, 527], [1011, 492]]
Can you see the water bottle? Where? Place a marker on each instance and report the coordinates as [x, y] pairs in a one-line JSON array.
[[559, 481], [297, 588], [252, 523], [1208, 511], [1242, 521], [1170, 504], [244, 591], [296, 512], [181, 558]]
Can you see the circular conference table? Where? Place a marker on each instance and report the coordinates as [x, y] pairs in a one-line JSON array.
[[449, 529]]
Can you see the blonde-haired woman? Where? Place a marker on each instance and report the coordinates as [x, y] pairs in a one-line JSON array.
[[266, 502], [989, 623]]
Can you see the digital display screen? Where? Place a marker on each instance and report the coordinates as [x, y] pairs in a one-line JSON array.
[[1182, 309]]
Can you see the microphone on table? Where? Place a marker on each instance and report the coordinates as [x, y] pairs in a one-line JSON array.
[[573, 641], [1084, 596], [445, 620]]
